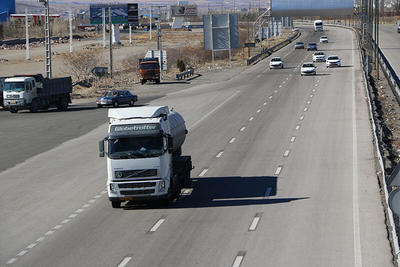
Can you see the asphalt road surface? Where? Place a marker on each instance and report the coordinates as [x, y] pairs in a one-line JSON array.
[[284, 176], [389, 42]]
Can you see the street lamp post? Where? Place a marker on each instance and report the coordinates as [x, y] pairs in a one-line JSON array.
[[47, 37]]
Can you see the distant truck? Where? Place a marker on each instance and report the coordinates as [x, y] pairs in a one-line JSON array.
[[34, 92], [144, 161], [149, 70], [318, 25]]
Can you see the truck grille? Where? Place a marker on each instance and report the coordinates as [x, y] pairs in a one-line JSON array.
[[137, 192], [13, 96], [137, 185], [135, 173]]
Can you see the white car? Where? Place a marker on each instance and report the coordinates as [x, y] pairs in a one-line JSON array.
[[323, 39], [295, 29], [308, 68], [333, 61], [276, 63], [319, 57]]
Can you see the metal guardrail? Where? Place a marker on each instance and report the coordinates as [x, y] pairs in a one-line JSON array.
[[185, 74], [265, 52], [389, 73]]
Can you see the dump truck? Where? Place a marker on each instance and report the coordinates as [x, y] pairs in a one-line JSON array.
[[144, 155], [34, 92], [149, 70]]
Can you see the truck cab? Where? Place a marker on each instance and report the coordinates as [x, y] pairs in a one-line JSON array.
[[149, 70], [144, 161], [318, 25], [18, 91]]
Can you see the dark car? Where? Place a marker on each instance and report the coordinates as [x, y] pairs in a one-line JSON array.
[[299, 45], [312, 46], [116, 98]]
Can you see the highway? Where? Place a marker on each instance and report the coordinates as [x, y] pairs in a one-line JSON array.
[[284, 176]]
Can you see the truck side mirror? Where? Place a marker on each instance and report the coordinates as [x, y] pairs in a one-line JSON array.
[[170, 144], [101, 148]]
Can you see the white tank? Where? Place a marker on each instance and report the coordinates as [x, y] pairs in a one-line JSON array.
[[177, 129]]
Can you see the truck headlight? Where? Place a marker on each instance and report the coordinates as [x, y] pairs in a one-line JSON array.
[[113, 187], [161, 186]]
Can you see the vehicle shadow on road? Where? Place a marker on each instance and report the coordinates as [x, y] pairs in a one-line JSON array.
[[228, 191]]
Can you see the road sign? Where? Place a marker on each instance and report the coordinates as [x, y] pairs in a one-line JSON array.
[[119, 13], [184, 11], [133, 14], [221, 32], [156, 53], [394, 201]]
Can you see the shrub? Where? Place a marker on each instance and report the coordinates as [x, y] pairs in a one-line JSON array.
[[181, 65]]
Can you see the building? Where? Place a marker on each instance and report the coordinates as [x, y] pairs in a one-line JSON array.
[[7, 7]]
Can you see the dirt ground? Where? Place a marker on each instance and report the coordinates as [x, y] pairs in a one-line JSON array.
[[180, 44]]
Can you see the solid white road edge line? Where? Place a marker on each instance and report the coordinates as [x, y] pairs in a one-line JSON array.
[[157, 225], [356, 209], [212, 111], [124, 262]]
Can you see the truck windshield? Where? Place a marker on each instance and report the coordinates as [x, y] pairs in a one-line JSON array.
[[135, 147], [152, 66], [14, 86]]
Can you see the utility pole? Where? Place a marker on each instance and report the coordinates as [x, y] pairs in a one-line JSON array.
[[150, 21], [47, 37], [104, 27], [377, 38], [70, 31], [159, 44], [111, 55], [27, 57]]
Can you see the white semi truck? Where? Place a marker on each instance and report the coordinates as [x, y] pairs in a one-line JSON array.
[[144, 161], [318, 25], [34, 92]]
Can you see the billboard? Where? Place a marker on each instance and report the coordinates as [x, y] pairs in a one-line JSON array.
[[119, 13], [184, 11], [300, 8], [221, 31], [133, 14]]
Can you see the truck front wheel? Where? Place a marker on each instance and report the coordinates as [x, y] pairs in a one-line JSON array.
[[13, 110], [34, 106], [116, 204]]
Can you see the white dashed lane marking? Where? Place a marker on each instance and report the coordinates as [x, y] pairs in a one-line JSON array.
[[219, 154], [297, 127], [243, 128], [239, 258], [22, 253], [157, 225], [232, 140], [12, 261], [124, 262], [203, 172], [251, 118], [292, 139], [49, 232], [286, 154], [255, 221], [278, 170], [31, 245]]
